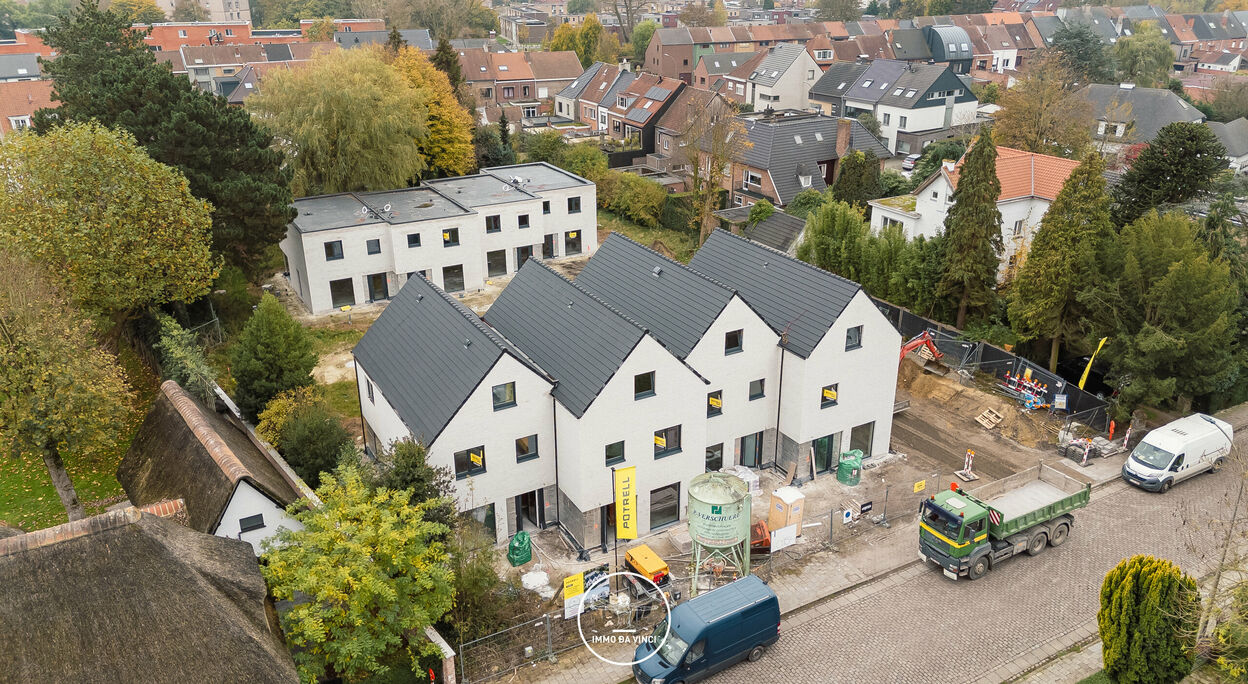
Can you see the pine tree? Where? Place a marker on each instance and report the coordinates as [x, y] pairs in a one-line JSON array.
[[273, 354], [395, 42], [973, 242], [1181, 162], [104, 71], [447, 62], [507, 154], [1063, 260], [858, 180], [1148, 605]]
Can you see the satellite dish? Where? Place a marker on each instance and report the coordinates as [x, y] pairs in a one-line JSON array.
[[387, 207], [363, 211]]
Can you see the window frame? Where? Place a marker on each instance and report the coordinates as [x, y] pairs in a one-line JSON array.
[[505, 403], [494, 224], [606, 453], [372, 246], [740, 346], [471, 469], [251, 523], [574, 200], [646, 393], [762, 389], [409, 240], [339, 254], [369, 386], [523, 222], [450, 237], [856, 344], [533, 449], [667, 449], [824, 401], [545, 207], [711, 409]]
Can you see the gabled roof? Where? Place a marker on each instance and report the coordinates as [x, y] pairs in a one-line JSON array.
[[617, 81], [779, 231], [717, 63], [1151, 108], [690, 100], [475, 65], [173, 58], [878, 80], [417, 38], [1096, 18], [1234, 136], [1219, 58], [674, 302], [998, 38], [251, 75], [184, 451], [1046, 28], [778, 61], [300, 51], [837, 80], [573, 90], [211, 55], [22, 98], [674, 36], [1022, 39], [799, 301], [548, 66], [127, 596], [427, 353], [510, 66], [1026, 174], [749, 66], [909, 44], [579, 339]]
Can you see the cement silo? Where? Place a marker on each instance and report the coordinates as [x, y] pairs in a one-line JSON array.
[[719, 524]]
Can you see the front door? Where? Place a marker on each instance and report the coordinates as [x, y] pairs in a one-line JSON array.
[[548, 247], [523, 254], [827, 451], [527, 508], [751, 450], [377, 287]]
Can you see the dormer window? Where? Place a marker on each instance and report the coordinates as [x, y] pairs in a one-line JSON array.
[[621, 103], [805, 181]]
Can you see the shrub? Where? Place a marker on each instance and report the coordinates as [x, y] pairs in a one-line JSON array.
[[234, 305], [637, 198], [1146, 621], [273, 354], [585, 160], [182, 360], [278, 412], [313, 442], [676, 212], [805, 202], [405, 465]]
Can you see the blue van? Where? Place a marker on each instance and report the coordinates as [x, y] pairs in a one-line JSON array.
[[711, 632]]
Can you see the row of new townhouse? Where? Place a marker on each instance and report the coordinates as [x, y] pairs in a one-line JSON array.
[[744, 357]]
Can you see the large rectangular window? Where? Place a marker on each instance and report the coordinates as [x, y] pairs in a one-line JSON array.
[[667, 441], [828, 397], [572, 242], [493, 224], [546, 207], [450, 237], [664, 505], [756, 389], [469, 462], [333, 250], [526, 448], [504, 395], [714, 403], [615, 453], [413, 239], [453, 278], [523, 221], [732, 341], [643, 385], [853, 338], [342, 292], [574, 205], [496, 262], [373, 246], [861, 436], [714, 457]]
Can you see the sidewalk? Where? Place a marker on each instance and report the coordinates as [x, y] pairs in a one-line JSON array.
[[821, 582]]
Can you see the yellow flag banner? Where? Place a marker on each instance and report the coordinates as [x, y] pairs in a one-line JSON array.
[[626, 503], [1084, 378]]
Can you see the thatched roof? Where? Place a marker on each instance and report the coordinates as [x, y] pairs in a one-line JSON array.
[[184, 451], [127, 596]]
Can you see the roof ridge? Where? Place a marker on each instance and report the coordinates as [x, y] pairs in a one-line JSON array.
[[213, 443], [777, 252], [67, 531], [592, 296], [686, 267], [493, 335]]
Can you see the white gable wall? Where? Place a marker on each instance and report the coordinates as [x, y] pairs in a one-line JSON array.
[[248, 501], [378, 414]]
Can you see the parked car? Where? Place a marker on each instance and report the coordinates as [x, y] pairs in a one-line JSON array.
[[735, 622], [1178, 450], [908, 163]]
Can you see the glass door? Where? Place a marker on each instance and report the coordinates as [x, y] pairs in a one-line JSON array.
[[751, 450], [827, 450]]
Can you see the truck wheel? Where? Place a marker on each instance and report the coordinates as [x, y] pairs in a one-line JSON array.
[[1165, 486], [756, 653], [1059, 535], [1037, 543], [979, 568], [1217, 465]]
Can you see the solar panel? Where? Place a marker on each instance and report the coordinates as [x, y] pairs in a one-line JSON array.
[[657, 93], [638, 116]]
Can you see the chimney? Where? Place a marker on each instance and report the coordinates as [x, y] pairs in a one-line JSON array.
[[843, 135]]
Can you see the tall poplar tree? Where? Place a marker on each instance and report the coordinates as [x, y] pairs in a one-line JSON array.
[[1064, 260], [973, 242]]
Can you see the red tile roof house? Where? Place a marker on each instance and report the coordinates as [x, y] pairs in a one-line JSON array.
[[1029, 184], [638, 108], [19, 100]]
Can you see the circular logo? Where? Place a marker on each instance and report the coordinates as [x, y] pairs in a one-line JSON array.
[[631, 636]]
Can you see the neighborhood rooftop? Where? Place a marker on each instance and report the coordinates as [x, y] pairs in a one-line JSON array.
[[479, 190], [795, 298], [538, 176], [454, 351]]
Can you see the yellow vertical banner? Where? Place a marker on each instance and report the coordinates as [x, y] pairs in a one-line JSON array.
[[1084, 378], [625, 502]]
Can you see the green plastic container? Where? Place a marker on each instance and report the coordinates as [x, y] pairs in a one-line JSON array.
[[519, 551], [849, 470]]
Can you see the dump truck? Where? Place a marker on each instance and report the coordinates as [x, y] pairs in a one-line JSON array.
[[967, 534]]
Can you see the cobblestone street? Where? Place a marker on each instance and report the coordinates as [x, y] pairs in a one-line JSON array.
[[926, 628]]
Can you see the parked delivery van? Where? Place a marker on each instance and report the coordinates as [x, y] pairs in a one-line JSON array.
[[1178, 450], [711, 632]]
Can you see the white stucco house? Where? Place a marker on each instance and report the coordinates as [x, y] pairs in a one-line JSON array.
[[783, 78], [1029, 184], [352, 248], [231, 483]]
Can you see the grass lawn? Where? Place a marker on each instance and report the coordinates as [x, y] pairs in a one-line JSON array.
[[1098, 678], [681, 244], [331, 338], [27, 498], [343, 398]]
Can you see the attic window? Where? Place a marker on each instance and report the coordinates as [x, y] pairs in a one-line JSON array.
[[897, 92], [1004, 44], [502, 67], [841, 86], [775, 74], [805, 181], [248, 86], [797, 139], [482, 69], [867, 83], [965, 47], [911, 92], [818, 136], [953, 47], [199, 61], [1127, 31], [646, 105], [251, 522], [883, 85]]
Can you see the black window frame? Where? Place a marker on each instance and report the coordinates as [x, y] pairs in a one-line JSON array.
[[470, 468], [494, 224], [410, 242], [719, 450], [740, 346], [529, 455], [506, 403], [334, 254], [577, 201], [522, 221], [667, 449], [762, 389], [462, 284], [645, 393], [613, 460], [453, 240], [673, 521], [857, 344], [824, 401], [545, 207], [369, 386], [372, 246], [711, 409]]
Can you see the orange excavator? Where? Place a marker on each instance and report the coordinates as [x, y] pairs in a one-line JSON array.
[[923, 340]]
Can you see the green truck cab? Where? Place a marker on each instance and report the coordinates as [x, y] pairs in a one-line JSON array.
[[967, 533]]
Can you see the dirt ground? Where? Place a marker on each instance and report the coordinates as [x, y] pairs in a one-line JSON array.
[[334, 367]]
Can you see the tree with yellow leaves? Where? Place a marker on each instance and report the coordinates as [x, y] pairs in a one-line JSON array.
[[448, 148]]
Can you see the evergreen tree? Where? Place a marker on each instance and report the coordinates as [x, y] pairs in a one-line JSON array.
[[447, 61], [835, 237], [1063, 260], [932, 156], [507, 152], [1148, 605], [273, 354], [1081, 51], [313, 441], [916, 282], [973, 232], [104, 71], [1181, 162], [405, 466], [804, 203], [395, 42], [858, 180]]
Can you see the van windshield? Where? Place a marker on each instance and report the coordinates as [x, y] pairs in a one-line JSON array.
[[1151, 456], [673, 649]]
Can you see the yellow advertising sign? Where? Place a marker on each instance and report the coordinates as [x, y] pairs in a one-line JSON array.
[[715, 402], [625, 503], [920, 486], [573, 585], [446, 236], [660, 441], [475, 458], [829, 394], [572, 234]]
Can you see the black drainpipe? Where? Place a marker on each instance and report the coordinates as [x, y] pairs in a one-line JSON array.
[[775, 459]]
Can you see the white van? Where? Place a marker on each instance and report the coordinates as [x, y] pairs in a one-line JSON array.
[[1177, 451]]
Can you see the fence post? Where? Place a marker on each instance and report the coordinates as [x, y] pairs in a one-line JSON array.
[[550, 647]]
